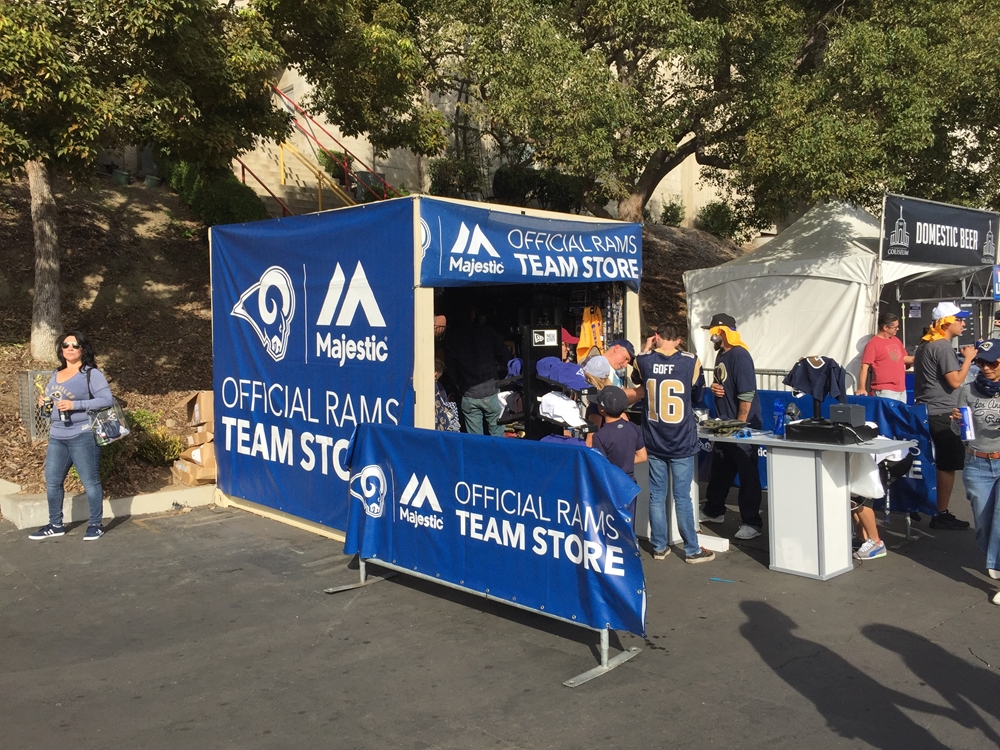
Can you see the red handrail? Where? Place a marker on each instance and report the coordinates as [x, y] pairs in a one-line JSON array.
[[285, 210], [347, 170]]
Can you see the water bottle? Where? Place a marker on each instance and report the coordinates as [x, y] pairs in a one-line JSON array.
[[779, 417]]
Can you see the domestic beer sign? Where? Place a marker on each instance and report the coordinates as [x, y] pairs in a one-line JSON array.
[[919, 231]]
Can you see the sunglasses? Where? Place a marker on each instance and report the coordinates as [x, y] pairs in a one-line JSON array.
[[71, 346], [982, 363]]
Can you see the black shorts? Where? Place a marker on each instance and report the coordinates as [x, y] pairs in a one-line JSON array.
[[949, 450]]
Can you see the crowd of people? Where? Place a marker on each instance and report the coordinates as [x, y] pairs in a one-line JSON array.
[[670, 383]]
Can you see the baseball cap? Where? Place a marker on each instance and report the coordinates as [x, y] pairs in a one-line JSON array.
[[945, 309], [569, 338], [627, 345], [613, 400], [721, 319], [988, 351], [598, 366]]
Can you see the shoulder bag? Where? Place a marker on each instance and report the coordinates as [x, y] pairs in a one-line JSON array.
[[108, 423]]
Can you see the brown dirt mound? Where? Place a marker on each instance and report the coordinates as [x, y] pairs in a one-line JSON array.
[[135, 277], [667, 252]]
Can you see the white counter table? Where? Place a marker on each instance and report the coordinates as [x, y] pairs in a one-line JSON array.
[[809, 501]]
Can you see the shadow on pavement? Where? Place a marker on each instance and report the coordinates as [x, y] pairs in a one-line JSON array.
[[960, 683], [854, 705]]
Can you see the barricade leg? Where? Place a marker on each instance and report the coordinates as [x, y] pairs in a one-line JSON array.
[[606, 664], [364, 579]]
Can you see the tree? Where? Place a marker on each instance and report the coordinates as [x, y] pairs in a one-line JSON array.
[[368, 75], [191, 76], [782, 101]]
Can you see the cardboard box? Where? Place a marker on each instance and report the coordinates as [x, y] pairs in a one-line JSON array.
[[203, 455], [191, 474], [199, 408], [203, 434]]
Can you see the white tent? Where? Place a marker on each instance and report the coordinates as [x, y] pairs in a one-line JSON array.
[[812, 290]]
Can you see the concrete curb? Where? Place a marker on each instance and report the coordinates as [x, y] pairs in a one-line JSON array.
[[30, 511]]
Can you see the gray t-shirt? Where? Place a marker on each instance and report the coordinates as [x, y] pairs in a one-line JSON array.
[[985, 417], [934, 360]]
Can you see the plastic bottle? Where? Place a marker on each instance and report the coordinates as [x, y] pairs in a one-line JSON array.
[[779, 417]]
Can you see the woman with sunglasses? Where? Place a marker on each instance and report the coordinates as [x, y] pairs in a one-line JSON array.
[[981, 474], [68, 396]]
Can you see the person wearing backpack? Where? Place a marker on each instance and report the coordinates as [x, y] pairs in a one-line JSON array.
[[76, 387]]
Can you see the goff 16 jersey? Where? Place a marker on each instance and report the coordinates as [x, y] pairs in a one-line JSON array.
[[670, 429]]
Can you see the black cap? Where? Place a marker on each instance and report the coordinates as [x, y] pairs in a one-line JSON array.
[[613, 400], [721, 319]]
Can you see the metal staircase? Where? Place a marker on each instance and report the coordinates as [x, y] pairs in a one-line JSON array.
[[290, 181]]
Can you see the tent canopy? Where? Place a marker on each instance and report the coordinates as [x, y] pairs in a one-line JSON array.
[[813, 290]]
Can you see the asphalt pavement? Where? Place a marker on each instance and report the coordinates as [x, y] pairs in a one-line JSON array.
[[210, 629]]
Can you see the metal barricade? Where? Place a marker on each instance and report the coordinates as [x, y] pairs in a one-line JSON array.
[[31, 385]]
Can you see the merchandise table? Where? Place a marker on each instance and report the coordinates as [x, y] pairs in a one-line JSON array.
[[809, 501]]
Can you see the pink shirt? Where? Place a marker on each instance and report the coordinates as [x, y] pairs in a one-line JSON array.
[[885, 358]]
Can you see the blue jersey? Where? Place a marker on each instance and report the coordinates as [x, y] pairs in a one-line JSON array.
[[670, 429], [734, 369]]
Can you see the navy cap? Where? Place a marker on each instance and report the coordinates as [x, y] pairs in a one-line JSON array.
[[613, 400], [988, 351], [627, 345]]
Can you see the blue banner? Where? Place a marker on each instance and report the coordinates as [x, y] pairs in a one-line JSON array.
[[464, 245], [312, 330], [545, 526]]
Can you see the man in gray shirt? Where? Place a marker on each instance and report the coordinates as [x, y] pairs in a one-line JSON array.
[[936, 376]]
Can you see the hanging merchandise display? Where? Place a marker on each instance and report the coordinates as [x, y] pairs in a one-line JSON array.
[[591, 334]]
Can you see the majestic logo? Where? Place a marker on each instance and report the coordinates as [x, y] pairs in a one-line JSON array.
[[415, 494], [479, 242], [359, 294], [899, 238], [416, 498], [271, 316], [369, 486]]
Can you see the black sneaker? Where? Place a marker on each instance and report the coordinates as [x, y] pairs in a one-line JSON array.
[[914, 517], [945, 520], [48, 531], [93, 532]]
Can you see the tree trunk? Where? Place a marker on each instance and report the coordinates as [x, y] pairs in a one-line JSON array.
[[630, 207], [46, 314]]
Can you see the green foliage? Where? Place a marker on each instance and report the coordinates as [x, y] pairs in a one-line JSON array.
[[783, 102], [214, 194], [719, 219], [453, 177], [368, 73], [548, 189], [192, 76], [153, 443], [672, 213], [333, 163]]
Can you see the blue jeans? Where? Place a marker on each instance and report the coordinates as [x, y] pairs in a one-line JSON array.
[[479, 410], [681, 473], [83, 453], [981, 477]]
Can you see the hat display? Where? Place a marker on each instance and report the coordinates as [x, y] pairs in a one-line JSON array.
[[946, 309], [569, 338], [561, 409], [598, 366], [721, 319], [613, 400], [988, 351], [627, 345]]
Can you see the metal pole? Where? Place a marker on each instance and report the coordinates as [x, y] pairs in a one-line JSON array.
[[604, 648], [363, 570]]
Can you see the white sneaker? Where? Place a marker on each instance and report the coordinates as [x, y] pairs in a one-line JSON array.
[[711, 519], [747, 532], [994, 574], [996, 598]]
